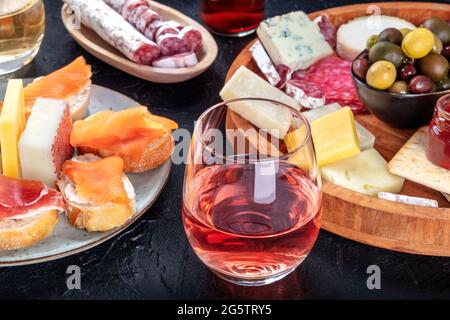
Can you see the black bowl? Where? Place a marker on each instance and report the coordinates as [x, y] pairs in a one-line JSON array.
[[398, 110]]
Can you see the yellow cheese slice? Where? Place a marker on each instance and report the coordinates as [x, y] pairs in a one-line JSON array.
[[12, 124], [334, 136]]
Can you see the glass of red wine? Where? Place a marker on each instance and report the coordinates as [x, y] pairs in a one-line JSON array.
[[251, 210], [236, 18]]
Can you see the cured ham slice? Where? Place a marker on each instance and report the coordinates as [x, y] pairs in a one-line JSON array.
[[23, 198]]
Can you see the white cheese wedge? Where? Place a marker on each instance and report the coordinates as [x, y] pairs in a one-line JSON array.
[[366, 173], [44, 144], [293, 40], [267, 116], [365, 137], [352, 36]]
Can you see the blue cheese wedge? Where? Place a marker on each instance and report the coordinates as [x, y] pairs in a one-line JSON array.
[[293, 40]]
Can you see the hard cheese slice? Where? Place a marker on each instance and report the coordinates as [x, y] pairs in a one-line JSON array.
[[293, 40], [366, 173], [246, 84], [12, 124], [365, 137], [411, 163], [334, 137]]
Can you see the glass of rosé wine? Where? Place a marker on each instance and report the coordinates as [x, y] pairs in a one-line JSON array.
[[235, 18], [251, 210]]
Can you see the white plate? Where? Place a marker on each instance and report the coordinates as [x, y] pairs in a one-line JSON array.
[[67, 240]]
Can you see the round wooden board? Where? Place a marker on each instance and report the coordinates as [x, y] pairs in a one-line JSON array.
[[96, 46], [369, 220]]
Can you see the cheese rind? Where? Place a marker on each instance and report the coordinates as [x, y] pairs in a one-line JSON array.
[[293, 40], [365, 173], [45, 140], [12, 123], [267, 116]]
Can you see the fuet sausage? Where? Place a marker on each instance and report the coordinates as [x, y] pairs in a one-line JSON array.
[[113, 28]]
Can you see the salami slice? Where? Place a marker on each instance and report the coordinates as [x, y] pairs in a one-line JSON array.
[[332, 76], [113, 28], [264, 63], [307, 94], [130, 8], [151, 29], [145, 19], [285, 75], [328, 29], [171, 44], [166, 27], [182, 60], [192, 38]]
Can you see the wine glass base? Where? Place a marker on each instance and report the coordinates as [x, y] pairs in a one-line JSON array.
[[234, 35], [17, 62], [253, 282]]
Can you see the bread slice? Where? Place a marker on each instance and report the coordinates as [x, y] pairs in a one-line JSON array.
[[154, 155], [80, 103], [84, 214], [22, 233]]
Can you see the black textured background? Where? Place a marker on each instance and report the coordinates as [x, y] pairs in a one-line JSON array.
[[153, 260]]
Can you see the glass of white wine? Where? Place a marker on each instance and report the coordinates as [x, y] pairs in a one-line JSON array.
[[22, 26]]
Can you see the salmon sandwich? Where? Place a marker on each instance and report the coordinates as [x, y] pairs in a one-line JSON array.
[[143, 140]]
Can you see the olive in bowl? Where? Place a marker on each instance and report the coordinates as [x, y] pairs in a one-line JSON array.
[[397, 106]]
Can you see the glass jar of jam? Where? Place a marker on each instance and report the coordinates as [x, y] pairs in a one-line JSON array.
[[438, 149]]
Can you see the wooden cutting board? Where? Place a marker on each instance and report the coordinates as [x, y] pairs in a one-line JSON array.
[[369, 220]]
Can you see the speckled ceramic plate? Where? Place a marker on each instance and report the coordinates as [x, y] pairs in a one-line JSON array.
[[67, 240]]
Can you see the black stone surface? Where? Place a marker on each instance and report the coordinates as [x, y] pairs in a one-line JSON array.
[[153, 260]]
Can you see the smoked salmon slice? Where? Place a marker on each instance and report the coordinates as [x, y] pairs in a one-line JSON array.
[[61, 84], [107, 129], [100, 181]]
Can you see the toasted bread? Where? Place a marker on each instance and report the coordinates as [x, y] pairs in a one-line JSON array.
[[154, 155], [79, 104], [84, 214], [17, 234]]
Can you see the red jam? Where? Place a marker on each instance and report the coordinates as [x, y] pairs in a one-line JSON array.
[[438, 150]]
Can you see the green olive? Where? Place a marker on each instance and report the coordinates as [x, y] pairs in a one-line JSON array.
[[434, 66], [438, 46], [381, 75], [399, 87], [392, 35], [418, 43], [405, 31], [371, 41], [444, 84], [439, 27], [384, 50]]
